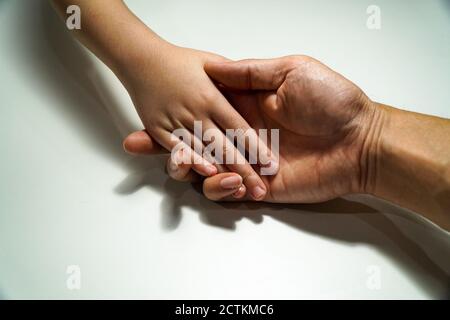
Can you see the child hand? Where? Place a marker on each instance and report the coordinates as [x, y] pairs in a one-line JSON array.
[[171, 90]]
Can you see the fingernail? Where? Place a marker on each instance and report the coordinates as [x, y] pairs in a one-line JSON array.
[[272, 162], [271, 168], [176, 159], [240, 193], [258, 193], [210, 170], [173, 166], [231, 182]]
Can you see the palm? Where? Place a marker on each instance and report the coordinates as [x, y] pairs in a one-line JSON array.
[[320, 144]]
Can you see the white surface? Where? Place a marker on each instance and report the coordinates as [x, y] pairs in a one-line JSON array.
[[70, 196]]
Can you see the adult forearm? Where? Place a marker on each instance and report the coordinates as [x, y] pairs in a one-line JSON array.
[[410, 163], [113, 33]]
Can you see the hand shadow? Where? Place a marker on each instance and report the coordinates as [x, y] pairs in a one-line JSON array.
[[350, 222], [58, 60]]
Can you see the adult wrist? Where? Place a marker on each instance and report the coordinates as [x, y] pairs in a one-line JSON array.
[[408, 162], [376, 118]]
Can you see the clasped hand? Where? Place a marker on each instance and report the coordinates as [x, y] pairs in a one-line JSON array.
[[326, 130]]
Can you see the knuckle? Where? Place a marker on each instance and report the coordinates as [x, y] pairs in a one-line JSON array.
[[208, 97], [297, 60], [181, 116], [187, 120]]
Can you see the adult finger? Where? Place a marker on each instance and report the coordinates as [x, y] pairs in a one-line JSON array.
[[251, 74], [140, 143], [224, 185]]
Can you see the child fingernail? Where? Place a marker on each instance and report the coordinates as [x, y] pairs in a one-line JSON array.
[[176, 159], [231, 182], [173, 166], [210, 170]]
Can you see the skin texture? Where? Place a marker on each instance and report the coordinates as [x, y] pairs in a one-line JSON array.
[[168, 84], [333, 139]]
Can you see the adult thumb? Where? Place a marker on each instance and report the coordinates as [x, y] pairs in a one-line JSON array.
[[140, 143], [250, 74]]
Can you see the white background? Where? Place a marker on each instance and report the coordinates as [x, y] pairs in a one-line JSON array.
[[70, 196]]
